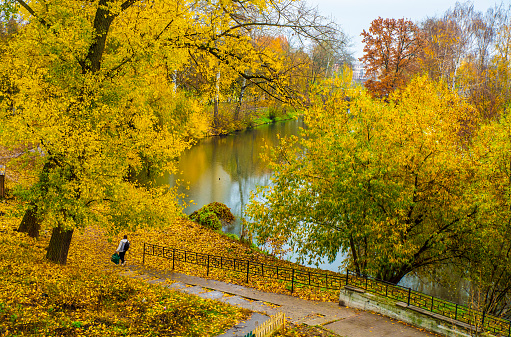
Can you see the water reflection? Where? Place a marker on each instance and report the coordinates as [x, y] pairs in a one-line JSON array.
[[227, 169], [444, 282]]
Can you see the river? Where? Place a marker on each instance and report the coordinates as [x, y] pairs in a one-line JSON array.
[[228, 168]]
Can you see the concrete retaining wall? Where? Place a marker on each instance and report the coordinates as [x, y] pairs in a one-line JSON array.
[[357, 298]]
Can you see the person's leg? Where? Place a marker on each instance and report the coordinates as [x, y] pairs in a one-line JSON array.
[[121, 256]]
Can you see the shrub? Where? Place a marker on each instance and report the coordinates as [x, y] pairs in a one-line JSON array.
[[212, 215]]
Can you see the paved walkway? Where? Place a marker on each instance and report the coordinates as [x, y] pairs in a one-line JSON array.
[[342, 321]]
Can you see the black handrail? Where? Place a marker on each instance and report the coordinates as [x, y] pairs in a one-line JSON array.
[[334, 281]]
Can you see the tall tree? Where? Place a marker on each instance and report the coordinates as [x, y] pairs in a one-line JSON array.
[[95, 102], [490, 267], [462, 49], [441, 44], [383, 183], [390, 56]]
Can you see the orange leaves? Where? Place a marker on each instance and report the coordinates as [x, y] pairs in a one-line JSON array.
[[278, 44], [390, 54]]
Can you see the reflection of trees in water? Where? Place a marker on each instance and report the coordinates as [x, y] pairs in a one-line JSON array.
[[227, 168], [241, 159], [446, 282]]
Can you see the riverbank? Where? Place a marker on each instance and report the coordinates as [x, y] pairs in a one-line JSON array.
[[226, 123], [87, 297]]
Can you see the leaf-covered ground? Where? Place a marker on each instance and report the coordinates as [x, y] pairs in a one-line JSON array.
[[88, 298], [188, 235]]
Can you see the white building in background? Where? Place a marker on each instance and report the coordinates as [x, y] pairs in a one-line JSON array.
[[359, 72]]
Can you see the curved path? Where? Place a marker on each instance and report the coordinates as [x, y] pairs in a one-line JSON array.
[[342, 321]]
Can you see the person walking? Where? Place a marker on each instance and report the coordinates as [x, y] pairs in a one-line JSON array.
[[124, 245]]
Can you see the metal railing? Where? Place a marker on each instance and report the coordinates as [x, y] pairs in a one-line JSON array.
[[296, 277], [433, 304], [334, 281]]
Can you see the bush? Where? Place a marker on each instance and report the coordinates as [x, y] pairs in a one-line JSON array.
[[212, 215]]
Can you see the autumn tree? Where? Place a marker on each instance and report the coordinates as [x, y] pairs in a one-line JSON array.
[[390, 56], [272, 66], [440, 47], [501, 68], [477, 74], [95, 103], [324, 60], [383, 183], [490, 267], [461, 48]]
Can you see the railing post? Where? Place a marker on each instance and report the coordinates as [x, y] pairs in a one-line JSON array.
[[409, 293], [347, 272], [207, 273], [248, 268], [366, 281], [292, 280], [456, 311], [309, 278], [173, 257], [143, 255], [386, 289], [432, 299]]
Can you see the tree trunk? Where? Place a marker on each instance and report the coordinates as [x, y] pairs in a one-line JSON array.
[[2, 186], [240, 101], [216, 101], [59, 245], [30, 223]]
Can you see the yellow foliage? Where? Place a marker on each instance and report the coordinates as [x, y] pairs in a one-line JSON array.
[[383, 182]]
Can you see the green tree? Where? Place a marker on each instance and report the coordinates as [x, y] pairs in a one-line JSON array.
[[382, 183]]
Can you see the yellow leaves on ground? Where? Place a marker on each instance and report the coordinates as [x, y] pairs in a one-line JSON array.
[[187, 235], [87, 297]]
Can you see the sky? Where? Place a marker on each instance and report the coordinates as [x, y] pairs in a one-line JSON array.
[[356, 15]]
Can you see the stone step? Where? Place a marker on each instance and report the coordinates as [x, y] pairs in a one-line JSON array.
[[214, 295], [195, 290]]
